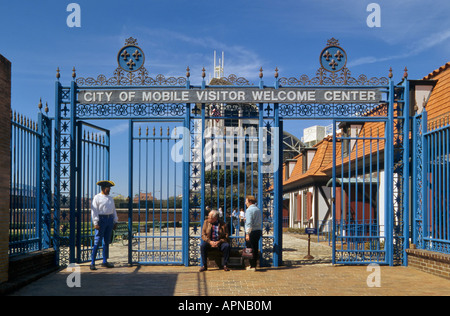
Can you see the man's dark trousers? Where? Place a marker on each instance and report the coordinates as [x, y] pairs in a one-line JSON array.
[[223, 247], [253, 243]]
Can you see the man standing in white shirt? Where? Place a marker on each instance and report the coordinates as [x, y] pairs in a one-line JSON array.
[[104, 217], [253, 229]]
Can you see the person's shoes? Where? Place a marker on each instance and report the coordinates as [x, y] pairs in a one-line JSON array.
[[92, 267], [225, 268], [203, 269], [251, 268], [107, 265]]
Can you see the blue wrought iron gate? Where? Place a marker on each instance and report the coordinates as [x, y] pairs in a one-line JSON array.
[[30, 201], [156, 182], [371, 182], [236, 152], [204, 178], [359, 164], [93, 165], [431, 189]]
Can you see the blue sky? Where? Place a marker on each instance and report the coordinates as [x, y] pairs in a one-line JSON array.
[[174, 34]]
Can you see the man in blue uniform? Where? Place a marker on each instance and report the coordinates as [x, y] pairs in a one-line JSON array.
[[104, 217]]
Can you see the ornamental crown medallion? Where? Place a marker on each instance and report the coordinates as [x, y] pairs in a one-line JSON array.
[[131, 57]]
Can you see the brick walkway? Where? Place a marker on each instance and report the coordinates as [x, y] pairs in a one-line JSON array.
[[298, 278]]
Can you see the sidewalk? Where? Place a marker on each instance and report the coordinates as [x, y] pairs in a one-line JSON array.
[[299, 277]]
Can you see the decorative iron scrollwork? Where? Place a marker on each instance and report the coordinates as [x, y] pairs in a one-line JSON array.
[[124, 78], [340, 78], [332, 110], [125, 110]]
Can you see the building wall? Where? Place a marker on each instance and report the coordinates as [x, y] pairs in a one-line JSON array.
[[5, 157], [300, 211], [438, 105], [303, 205]]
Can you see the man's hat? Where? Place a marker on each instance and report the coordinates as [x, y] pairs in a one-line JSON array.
[[106, 183]]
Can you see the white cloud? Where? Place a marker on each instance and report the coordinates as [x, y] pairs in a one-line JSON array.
[[171, 52], [415, 48], [120, 128]]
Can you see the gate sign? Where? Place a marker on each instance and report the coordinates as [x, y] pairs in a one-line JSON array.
[[311, 231], [236, 95]]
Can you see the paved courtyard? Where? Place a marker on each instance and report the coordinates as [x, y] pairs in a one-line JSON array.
[[315, 277]]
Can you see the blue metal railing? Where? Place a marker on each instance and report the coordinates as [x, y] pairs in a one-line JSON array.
[[24, 229], [436, 171]]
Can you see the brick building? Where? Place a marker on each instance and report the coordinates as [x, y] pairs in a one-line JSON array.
[[306, 181], [5, 130], [432, 93]]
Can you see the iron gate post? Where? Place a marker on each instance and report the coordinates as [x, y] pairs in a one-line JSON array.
[[73, 169], [57, 172], [406, 168], [38, 183], [425, 179], [416, 176], [278, 190], [260, 169], [186, 188], [203, 193], [130, 192], [333, 253], [43, 187], [389, 169], [78, 190], [419, 179]]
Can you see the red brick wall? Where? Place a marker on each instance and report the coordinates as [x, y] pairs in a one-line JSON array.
[[5, 157], [430, 262]]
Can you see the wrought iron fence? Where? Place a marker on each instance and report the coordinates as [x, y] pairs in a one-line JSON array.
[[24, 233], [436, 168], [29, 228]]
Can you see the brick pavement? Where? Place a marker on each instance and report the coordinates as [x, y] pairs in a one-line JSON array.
[[312, 280], [294, 280]]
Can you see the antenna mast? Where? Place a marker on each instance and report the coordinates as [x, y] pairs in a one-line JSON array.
[[218, 67]]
